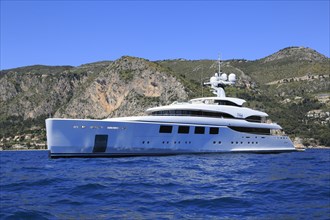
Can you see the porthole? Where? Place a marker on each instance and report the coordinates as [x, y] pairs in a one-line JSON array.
[[214, 142], [232, 142], [219, 142]]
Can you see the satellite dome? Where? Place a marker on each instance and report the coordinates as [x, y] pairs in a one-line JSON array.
[[232, 77], [214, 81], [223, 76]]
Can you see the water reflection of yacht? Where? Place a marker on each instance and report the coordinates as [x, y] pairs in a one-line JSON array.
[[202, 125]]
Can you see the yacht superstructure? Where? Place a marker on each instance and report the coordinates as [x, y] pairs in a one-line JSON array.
[[202, 125]]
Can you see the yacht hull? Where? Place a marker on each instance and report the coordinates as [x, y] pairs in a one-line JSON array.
[[116, 138]]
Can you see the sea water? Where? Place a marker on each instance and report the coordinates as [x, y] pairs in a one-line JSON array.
[[219, 186]]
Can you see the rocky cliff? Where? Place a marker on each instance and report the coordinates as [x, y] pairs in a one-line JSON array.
[[120, 88], [126, 87]]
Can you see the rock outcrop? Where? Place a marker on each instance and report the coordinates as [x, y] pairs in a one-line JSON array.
[[121, 88], [124, 88]]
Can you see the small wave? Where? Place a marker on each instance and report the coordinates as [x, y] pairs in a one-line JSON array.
[[28, 214], [261, 192], [89, 187], [29, 184], [224, 202], [66, 202]]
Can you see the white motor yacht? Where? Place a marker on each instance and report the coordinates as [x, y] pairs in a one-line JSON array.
[[204, 125]]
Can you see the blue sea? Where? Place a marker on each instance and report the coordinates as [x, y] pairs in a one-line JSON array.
[[218, 186]]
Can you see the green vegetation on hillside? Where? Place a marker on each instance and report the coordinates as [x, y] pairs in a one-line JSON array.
[[126, 75], [264, 72]]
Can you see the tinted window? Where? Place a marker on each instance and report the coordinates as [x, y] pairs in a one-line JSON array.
[[165, 129], [254, 119], [214, 130], [199, 130], [226, 102], [183, 129], [265, 131], [193, 113]]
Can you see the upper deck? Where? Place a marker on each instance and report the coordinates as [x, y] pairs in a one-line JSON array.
[[210, 107], [219, 101]]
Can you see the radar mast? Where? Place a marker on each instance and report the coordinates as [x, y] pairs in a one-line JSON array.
[[220, 80], [219, 60]]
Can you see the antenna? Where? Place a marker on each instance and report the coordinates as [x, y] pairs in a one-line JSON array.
[[219, 64], [202, 81], [166, 101]]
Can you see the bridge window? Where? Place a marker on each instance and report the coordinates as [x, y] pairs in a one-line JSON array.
[[257, 119], [226, 102]]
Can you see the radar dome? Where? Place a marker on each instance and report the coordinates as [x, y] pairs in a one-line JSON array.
[[223, 76], [232, 77], [214, 81]]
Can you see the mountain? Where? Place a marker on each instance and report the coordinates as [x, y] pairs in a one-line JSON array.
[[292, 85], [296, 54]]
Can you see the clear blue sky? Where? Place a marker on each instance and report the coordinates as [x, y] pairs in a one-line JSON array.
[[79, 32]]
